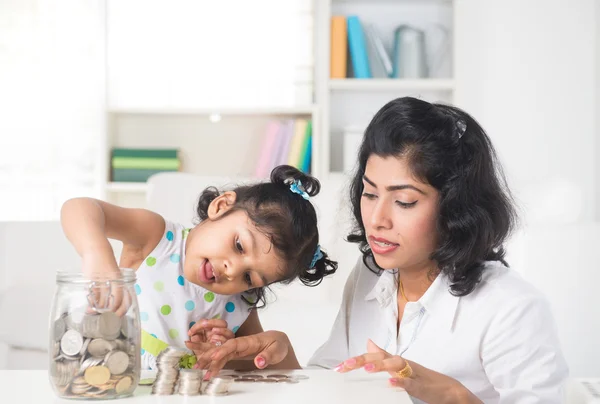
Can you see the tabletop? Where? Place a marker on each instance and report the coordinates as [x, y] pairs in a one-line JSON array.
[[321, 386]]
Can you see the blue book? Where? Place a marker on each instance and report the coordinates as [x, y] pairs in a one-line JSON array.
[[358, 49], [307, 156]]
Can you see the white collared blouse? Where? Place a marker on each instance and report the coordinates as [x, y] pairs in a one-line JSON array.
[[500, 341]]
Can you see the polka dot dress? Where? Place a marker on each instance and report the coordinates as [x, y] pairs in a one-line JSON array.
[[169, 304]]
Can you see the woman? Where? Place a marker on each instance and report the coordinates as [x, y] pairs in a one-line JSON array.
[[432, 301]]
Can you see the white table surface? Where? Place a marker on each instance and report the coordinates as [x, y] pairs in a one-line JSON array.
[[323, 386]]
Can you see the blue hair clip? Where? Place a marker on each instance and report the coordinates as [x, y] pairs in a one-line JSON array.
[[318, 255], [296, 187]]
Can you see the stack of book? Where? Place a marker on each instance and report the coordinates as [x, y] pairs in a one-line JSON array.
[[137, 165], [364, 48], [286, 142]]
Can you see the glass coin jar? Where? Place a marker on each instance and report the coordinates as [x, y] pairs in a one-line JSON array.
[[95, 337]]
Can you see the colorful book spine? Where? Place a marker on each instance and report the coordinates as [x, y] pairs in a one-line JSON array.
[[307, 153], [295, 154], [339, 48], [137, 165], [264, 165], [358, 49]]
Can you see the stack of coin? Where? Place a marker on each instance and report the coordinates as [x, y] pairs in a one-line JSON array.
[[218, 386], [167, 363], [91, 355], [190, 382]]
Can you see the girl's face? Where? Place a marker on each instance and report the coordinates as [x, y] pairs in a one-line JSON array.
[[227, 254], [399, 214]]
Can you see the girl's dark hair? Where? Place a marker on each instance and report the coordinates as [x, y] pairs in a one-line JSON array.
[[447, 149], [287, 219]]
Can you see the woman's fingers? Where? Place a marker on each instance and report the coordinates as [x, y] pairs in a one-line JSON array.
[[359, 361], [393, 365]]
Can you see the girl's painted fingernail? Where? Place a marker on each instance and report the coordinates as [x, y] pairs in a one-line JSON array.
[[338, 367], [207, 376], [204, 323], [260, 361], [369, 367], [393, 381], [350, 362]]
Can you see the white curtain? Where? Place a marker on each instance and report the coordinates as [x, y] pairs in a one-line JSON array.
[[52, 104]]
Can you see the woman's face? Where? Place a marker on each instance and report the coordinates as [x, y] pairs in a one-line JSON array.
[[399, 214]]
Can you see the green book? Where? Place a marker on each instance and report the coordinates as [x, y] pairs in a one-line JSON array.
[[146, 163], [134, 175], [149, 153]]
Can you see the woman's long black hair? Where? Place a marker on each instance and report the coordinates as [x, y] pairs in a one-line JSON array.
[[447, 149]]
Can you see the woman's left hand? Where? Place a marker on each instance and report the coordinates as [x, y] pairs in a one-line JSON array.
[[424, 384]]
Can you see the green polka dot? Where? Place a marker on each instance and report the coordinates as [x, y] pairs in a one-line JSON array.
[[159, 286], [150, 261], [209, 296], [173, 333], [217, 317], [184, 232], [166, 309]]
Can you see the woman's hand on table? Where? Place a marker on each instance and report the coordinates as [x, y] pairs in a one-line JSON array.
[[418, 381]]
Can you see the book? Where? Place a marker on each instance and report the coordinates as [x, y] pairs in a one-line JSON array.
[[339, 48], [151, 153], [149, 163], [379, 58], [264, 165], [134, 175], [358, 49], [287, 134], [295, 153], [307, 154]]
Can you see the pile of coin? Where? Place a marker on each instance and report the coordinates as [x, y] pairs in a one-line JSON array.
[[167, 363], [269, 378], [92, 355], [190, 381], [218, 386]]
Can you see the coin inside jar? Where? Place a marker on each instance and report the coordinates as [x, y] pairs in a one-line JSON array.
[[97, 375], [123, 385], [117, 362], [99, 347], [71, 343]]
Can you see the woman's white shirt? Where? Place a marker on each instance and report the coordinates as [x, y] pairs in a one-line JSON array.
[[500, 341]]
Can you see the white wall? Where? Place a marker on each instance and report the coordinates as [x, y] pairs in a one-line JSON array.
[[527, 71]]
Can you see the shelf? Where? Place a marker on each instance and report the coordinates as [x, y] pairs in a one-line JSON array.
[[306, 110], [130, 187], [391, 84]]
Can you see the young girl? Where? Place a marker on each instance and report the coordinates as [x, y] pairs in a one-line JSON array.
[[246, 239]]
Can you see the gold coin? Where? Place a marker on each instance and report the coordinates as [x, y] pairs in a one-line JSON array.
[[97, 375], [123, 385]]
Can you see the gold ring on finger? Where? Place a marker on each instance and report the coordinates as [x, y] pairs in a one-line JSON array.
[[405, 372]]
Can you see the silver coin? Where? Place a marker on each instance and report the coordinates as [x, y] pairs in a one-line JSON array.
[[300, 377], [89, 326], [117, 362], [84, 347], [109, 325], [99, 347], [218, 386], [267, 380], [89, 362], [290, 381], [71, 343], [278, 376], [59, 329]]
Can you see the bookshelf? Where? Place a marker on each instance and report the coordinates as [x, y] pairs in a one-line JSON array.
[[226, 141], [350, 102], [214, 142]]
